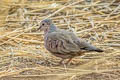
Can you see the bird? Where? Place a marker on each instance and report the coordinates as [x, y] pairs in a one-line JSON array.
[[63, 43]]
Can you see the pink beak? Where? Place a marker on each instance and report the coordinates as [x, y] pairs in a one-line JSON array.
[[39, 28]]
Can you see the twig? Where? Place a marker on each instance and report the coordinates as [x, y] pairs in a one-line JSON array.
[[64, 8], [112, 45]]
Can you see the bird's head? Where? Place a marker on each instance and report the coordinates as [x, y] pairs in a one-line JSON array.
[[45, 24]]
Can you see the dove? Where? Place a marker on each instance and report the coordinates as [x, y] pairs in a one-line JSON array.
[[62, 43]]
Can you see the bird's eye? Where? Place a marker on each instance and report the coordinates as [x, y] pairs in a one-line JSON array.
[[43, 24]]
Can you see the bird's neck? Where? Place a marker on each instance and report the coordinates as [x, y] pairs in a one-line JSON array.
[[50, 29]]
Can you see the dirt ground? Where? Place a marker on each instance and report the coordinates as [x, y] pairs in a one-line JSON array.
[[22, 52]]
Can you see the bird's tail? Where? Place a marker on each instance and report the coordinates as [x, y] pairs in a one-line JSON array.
[[98, 50], [92, 48]]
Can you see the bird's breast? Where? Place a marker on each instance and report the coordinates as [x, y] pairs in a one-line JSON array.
[[51, 45]]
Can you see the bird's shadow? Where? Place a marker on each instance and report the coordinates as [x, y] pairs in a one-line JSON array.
[[56, 63]]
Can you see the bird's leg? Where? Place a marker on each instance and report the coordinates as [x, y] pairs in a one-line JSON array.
[[62, 61], [68, 62]]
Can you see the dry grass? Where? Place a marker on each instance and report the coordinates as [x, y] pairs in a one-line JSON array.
[[23, 56]]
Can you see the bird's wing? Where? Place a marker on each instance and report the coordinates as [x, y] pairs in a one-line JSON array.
[[83, 45], [61, 42]]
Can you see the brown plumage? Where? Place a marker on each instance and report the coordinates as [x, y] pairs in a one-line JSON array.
[[62, 43]]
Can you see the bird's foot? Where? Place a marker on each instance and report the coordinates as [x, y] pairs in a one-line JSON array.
[[65, 64]]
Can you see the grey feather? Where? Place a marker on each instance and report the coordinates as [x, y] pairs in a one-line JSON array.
[[64, 44]]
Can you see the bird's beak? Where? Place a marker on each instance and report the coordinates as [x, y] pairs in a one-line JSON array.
[[39, 28]]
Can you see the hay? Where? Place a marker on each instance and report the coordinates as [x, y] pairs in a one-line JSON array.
[[22, 53]]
